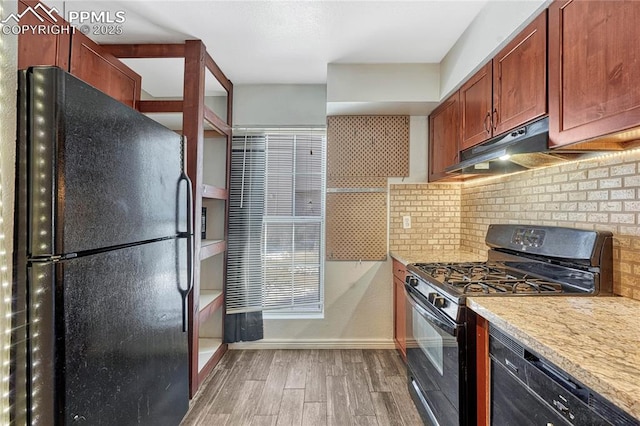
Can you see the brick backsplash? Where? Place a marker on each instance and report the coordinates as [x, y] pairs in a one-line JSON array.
[[601, 193], [435, 217]]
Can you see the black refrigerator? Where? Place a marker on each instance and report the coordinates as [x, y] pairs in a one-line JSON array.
[[102, 263]]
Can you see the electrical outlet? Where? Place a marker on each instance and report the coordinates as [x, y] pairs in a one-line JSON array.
[[406, 222]]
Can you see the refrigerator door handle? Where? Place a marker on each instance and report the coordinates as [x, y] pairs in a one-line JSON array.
[[189, 235]]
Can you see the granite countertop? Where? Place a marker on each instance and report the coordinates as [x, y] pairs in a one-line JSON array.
[[436, 256], [594, 339]]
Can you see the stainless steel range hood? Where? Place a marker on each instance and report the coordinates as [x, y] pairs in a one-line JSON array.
[[524, 148]]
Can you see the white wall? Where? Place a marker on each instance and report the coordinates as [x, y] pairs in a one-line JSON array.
[[383, 83], [418, 142], [8, 68], [487, 34], [279, 105], [388, 89]]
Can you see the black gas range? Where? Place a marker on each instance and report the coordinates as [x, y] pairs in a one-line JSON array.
[[523, 260]]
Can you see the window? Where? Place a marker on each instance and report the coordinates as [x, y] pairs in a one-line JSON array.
[[276, 221]]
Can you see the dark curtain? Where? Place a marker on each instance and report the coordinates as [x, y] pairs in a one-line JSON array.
[[243, 327]]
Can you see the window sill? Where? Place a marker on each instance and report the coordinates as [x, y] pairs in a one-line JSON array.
[[292, 315]]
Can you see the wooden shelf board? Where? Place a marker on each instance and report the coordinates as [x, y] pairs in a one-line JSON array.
[[145, 50], [207, 349], [216, 122], [214, 192], [210, 302], [147, 106], [210, 248], [209, 356], [208, 296], [210, 64]]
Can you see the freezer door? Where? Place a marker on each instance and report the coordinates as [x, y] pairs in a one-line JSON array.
[[119, 356], [101, 174]]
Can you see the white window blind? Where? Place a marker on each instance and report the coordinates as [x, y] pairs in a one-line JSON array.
[[282, 196]]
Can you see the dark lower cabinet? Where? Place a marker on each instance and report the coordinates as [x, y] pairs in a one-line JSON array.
[[513, 405]]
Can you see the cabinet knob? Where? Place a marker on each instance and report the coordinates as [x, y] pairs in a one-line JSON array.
[[494, 119]]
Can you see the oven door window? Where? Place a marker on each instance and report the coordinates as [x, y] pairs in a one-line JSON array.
[[430, 340], [434, 345]]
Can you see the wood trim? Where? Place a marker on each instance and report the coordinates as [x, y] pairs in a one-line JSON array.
[[209, 134], [214, 192], [211, 249], [210, 309], [218, 124], [483, 372], [192, 128], [146, 50], [160, 106], [208, 368], [217, 72]]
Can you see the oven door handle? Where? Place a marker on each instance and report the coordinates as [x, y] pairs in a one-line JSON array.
[[434, 317]]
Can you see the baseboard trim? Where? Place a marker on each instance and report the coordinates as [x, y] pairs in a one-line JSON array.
[[315, 344]]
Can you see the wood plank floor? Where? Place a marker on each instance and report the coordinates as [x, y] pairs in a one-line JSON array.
[[305, 387]]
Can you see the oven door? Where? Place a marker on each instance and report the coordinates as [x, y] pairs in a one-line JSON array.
[[435, 359]]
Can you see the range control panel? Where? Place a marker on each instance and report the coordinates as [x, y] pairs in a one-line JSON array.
[[528, 237]]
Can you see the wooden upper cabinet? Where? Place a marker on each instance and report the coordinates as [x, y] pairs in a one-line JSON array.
[[91, 64], [475, 107], [444, 137], [42, 49], [594, 69], [520, 78], [508, 91], [76, 53]]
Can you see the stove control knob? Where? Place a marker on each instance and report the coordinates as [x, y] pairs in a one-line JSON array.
[[413, 282], [437, 300]]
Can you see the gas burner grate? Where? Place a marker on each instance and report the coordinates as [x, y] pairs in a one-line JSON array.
[[485, 278]]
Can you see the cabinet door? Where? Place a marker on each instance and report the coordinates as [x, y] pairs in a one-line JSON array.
[[475, 101], [399, 317], [444, 137], [42, 49], [594, 77], [103, 70], [520, 78], [399, 308]]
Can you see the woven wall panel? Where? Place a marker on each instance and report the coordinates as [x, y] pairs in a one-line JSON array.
[[368, 146], [356, 182], [356, 226]]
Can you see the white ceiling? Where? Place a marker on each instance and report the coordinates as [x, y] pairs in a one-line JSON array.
[[291, 42]]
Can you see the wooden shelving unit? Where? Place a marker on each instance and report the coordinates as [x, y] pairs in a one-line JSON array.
[[201, 126], [211, 248], [214, 192]]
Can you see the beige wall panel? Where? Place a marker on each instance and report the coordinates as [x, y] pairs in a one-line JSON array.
[[356, 226], [368, 146]]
